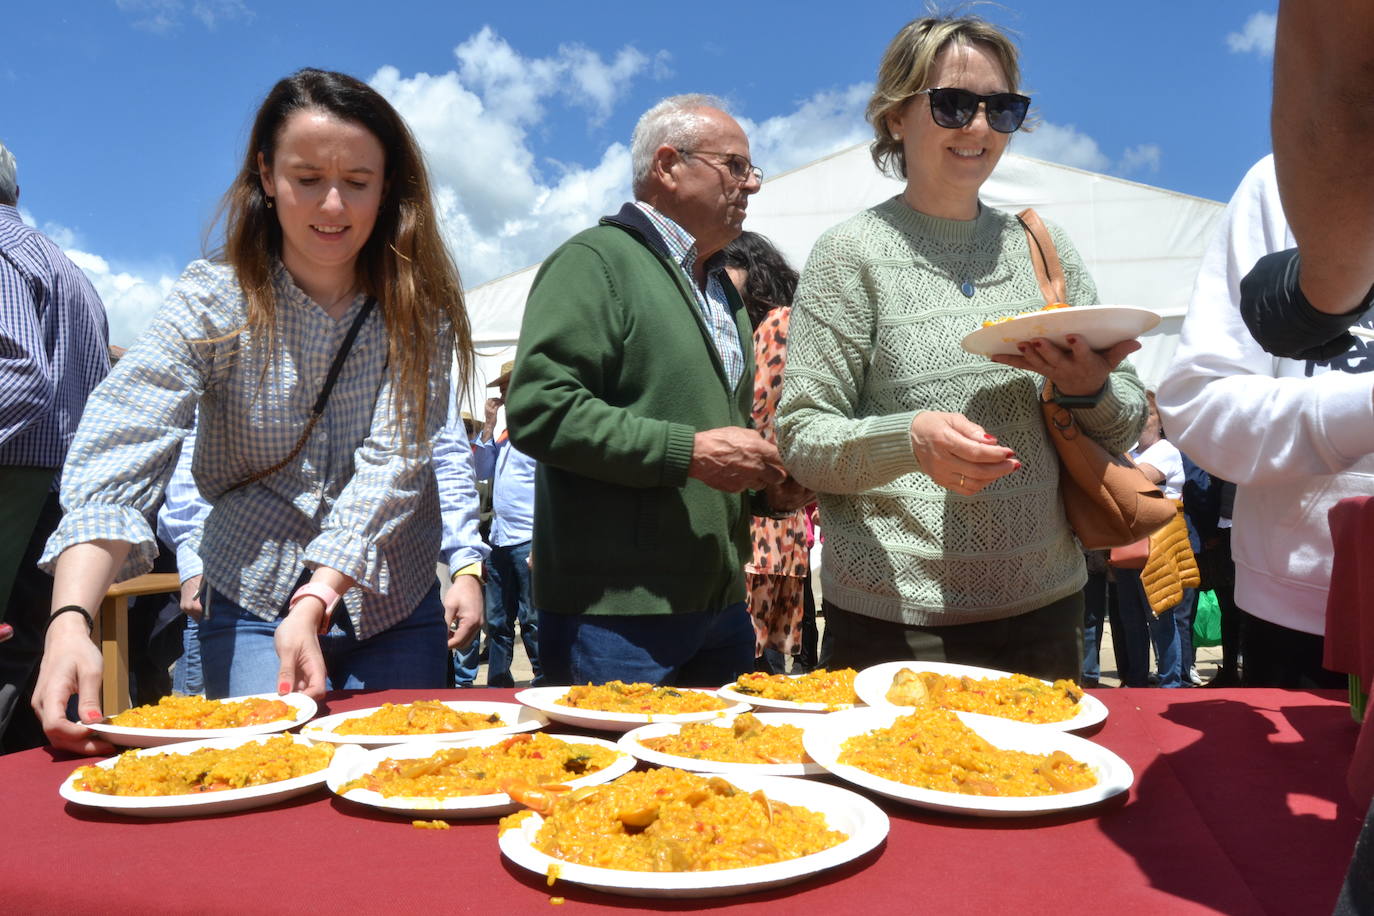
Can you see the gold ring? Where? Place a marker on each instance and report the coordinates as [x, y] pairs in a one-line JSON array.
[[961, 480]]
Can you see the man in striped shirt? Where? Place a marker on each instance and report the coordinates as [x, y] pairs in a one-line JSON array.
[[54, 348]]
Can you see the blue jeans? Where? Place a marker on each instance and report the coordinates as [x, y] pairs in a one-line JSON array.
[[187, 677], [465, 662], [508, 601], [1094, 616], [1140, 627], [239, 657], [704, 649]]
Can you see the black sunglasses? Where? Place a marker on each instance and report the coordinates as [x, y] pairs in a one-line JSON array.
[[955, 108]]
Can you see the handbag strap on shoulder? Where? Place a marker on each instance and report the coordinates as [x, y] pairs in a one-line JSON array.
[[1048, 271], [317, 410]]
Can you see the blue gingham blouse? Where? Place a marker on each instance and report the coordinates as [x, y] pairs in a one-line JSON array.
[[355, 499]]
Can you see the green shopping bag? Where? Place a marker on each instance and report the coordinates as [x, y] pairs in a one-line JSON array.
[[1207, 620]]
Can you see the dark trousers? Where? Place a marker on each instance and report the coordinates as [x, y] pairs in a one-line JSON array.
[[1357, 893], [155, 627], [1276, 656], [29, 605], [1219, 574], [1045, 643]]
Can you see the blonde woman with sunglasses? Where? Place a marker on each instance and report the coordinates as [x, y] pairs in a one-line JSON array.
[[945, 535]]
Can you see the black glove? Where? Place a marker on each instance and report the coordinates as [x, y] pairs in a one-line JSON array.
[[1281, 319]]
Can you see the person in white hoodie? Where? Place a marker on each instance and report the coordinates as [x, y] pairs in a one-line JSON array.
[[1294, 435]]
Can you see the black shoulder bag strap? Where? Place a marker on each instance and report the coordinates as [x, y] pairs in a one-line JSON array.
[[318, 410]]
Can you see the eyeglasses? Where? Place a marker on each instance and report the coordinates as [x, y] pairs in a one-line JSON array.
[[955, 108], [740, 169]]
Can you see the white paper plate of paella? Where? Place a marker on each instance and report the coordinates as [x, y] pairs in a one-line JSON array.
[[619, 707], [756, 832], [1101, 326], [935, 758], [198, 778], [815, 691], [195, 718], [1000, 695], [476, 777], [424, 720], [762, 744]]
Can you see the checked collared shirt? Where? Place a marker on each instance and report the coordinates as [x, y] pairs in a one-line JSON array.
[[714, 307]]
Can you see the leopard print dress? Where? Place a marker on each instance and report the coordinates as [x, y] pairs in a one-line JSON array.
[[777, 575]]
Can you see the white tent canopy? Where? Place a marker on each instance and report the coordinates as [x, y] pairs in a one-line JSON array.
[[1142, 244]]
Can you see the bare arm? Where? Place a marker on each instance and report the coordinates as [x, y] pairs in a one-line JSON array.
[[1323, 134], [71, 660], [1152, 473]]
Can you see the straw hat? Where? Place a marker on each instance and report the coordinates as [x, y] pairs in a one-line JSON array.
[[504, 377]]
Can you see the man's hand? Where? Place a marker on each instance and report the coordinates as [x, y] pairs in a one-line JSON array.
[[1277, 312], [493, 405], [190, 597], [735, 459], [463, 611], [788, 495]]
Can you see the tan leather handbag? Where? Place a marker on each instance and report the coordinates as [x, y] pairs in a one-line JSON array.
[[1108, 501], [1130, 556]]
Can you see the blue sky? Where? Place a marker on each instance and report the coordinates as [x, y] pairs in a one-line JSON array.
[[128, 117]]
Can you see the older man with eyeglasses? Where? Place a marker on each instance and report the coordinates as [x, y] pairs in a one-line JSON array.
[[632, 388]]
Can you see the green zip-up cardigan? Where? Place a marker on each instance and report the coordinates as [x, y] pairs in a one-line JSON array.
[[614, 374]]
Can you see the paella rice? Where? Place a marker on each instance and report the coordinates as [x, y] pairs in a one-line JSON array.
[[932, 749], [746, 740], [188, 712], [1018, 697], [454, 772], [253, 763], [423, 717], [1044, 308], [617, 696], [670, 820], [834, 688]]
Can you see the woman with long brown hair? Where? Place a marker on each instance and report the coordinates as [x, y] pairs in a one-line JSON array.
[[313, 355]]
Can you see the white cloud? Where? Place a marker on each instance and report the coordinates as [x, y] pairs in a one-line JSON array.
[[826, 122], [1144, 157], [1256, 36], [213, 12], [502, 205], [131, 296], [162, 17], [1067, 145], [1063, 144]]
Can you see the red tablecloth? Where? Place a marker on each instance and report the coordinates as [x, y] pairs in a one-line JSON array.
[[1239, 806], [1349, 644]]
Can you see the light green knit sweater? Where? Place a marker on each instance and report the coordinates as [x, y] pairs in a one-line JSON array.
[[875, 340]]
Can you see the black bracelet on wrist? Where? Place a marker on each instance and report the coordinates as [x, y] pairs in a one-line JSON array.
[[74, 609], [1077, 400]]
